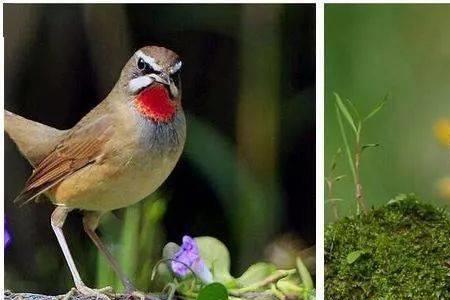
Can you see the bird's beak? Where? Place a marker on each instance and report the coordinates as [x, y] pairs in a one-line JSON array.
[[161, 78], [165, 79]]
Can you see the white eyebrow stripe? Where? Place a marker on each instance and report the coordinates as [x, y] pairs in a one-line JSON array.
[[176, 67], [140, 82], [150, 60]]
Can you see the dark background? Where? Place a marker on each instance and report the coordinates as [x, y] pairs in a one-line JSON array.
[[247, 175]]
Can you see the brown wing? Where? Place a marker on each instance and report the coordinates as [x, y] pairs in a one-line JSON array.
[[81, 148]]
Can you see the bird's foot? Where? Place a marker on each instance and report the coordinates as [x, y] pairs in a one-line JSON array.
[[98, 294]]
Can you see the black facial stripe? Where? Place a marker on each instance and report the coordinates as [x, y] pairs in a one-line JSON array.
[[148, 69], [145, 67]]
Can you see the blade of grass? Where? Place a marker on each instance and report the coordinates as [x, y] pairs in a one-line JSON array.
[[364, 147], [346, 145], [343, 109], [105, 275], [377, 108], [304, 274], [150, 239], [129, 240], [334, 161], [355, 111]]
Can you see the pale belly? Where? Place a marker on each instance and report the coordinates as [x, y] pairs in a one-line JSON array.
[[105, 187]]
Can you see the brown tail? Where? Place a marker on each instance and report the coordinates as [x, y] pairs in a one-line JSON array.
[[34, 140]]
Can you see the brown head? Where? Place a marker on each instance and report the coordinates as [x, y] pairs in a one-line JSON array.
[[151, 79]]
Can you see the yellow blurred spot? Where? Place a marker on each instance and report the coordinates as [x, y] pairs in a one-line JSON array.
[[442, 131], [444, 187]]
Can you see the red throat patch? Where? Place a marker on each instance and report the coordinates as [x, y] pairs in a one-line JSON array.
[[154, 102]]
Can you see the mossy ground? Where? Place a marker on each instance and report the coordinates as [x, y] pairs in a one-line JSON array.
[[399, 251]]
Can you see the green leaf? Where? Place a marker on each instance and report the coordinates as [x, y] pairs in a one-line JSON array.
[[335, 158], [369, 146], [304, 274], [398, 198], [216, 257], [343, 109], [352, 106], [334, 200], [377, 108], [213, 291], [340, 177], [346, 144], [353, 256], [255, 273]]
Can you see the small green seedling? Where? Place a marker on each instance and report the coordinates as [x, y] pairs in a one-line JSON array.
[[347, 111]]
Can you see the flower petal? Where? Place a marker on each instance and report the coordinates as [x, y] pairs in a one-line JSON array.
[[189, 257]]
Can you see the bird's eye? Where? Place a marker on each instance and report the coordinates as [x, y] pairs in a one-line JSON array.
[[144, 67], [141, 64]]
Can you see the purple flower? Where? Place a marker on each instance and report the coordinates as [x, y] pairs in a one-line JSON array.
[[7, 236], [189, 257]]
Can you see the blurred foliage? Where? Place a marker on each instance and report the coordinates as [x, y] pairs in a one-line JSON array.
[[402, 50], [247, 173], [399, 251], [140, 235], [261, 278]]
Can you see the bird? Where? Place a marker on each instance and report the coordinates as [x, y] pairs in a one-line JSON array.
[[116, 155]]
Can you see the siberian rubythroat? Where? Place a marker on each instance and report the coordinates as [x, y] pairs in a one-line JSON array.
[[115, 156]]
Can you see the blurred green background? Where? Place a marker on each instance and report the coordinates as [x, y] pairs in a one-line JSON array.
[[403, 50], [247, 175]]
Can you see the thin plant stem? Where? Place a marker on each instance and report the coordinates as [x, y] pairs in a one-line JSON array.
[[266, 281], [330, 183], [359, 195], [354, 165], [349, 153]]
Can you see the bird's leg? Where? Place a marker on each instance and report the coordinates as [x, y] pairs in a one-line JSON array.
[[57, 221], [90, 223]]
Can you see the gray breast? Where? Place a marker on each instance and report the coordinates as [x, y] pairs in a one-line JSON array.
[[160, 137]]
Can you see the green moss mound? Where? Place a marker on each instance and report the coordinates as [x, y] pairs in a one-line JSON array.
[[399, 251]]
